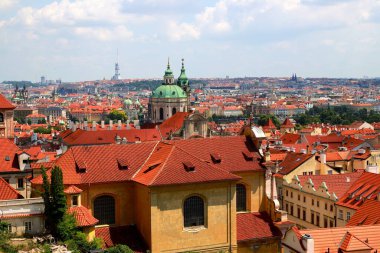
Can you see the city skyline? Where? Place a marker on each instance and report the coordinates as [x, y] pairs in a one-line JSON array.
[[78, 40]]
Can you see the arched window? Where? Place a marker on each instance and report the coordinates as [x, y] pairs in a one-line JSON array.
[[1, 117], [194, 211], [161, 113], [241, 198], [104, 209], [174, 110]]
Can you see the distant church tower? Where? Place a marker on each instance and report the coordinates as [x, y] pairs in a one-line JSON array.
[[116, 76], [170, 97]]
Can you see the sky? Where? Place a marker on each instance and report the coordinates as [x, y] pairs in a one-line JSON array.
[[78, 40]]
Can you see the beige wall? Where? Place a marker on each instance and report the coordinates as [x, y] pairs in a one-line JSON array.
[[255, 188], [168, 232], [7, 126], [142, 209], [341, 222]]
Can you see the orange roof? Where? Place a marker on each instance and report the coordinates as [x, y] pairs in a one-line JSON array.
[[367, 214], [345, 238], [72, 189], [83, 216], [287, 123], [173, 124], [7, 192], [366, 187], [253, 226], [8, 156], [292, 161], [289, 138], [5, 104]]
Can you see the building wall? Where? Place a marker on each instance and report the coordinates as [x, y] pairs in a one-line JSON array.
[[7, 126], [255, 188], [122, 193], [13, 180], [142, 211], [219, 232], [342, 221], [167, 104]]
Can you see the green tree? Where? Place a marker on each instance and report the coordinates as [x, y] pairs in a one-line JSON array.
[[263, 120], [29, 122], [66, 227], [58, 199], [118, 115], [42, 130], [46, 197], [119, 248]]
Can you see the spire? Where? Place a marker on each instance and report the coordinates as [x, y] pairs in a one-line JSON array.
[[168, 77], [168, 67], [182, 79]]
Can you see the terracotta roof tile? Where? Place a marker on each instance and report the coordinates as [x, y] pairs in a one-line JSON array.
[[5, 104], [72, 189], [292, 161], [255, 226], [367, 214], [83, 216], [7, 192], [8, 156]]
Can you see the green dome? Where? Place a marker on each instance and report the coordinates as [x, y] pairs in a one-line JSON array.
[[128, 102], [182, 79], [169, 91]]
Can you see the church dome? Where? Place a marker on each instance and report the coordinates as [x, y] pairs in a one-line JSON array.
[[127, 102], [169, 91]]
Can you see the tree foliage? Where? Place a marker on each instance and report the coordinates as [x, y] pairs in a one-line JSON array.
[[119, 248], [263, 120], [117, 115]]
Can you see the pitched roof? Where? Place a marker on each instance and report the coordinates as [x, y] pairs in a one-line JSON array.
[[170, 164], [8, 156], [5, 104], [365, 188], [287, 123], [251, 226], [289, 138], [82, 137], [367, 214], [7, 192], [72, 189], [337, 183], [173, 124], [128, 235], [269, 125], [82, 216], [358, 237], [292, 161]]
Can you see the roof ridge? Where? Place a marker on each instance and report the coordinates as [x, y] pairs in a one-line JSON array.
[[163, 164], [146, 160]]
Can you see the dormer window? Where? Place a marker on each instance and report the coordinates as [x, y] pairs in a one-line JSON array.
[[122, 163], [188, 166], [216, 158], [74, 200]]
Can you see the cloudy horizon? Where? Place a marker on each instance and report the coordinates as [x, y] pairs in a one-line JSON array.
[[78, 40]]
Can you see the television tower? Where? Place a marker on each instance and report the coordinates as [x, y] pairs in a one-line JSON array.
[[117, 68]]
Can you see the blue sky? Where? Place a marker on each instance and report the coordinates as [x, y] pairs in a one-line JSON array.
[[77, 40]]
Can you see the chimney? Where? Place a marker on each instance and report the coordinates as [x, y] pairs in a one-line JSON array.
[[128, 126], [308, 243], [323, 158], [348, 179], [85, 125], [102, 124], [110, 125], [136, 122], [119, 124], [93, 125]]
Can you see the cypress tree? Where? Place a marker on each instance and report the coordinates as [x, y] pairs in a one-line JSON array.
[[58, 199], [46, 198]]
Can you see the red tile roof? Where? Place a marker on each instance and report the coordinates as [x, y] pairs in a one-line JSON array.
[[5, 104], [367, 214], [366, 187], [269, 125], [170, 165], [253, 226], [292, 161], [82, 216], [289, 138], [8, 156], [82, 137], [337, 183], [287, 124], [128, 235], [173, 124], [72, 189], [7, 192]]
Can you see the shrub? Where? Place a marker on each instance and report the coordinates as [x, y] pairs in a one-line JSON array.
[[119, 248]]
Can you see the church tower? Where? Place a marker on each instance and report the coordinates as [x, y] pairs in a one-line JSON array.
[[6, 118], [170, 97]]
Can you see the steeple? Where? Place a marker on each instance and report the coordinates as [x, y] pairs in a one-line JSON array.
[[168, 77], [183, 81]]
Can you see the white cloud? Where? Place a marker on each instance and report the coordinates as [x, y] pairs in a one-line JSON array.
[[182, 31], [105, 34], [6, 4]]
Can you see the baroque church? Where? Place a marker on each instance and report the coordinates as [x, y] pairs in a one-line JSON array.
[[170, 97]]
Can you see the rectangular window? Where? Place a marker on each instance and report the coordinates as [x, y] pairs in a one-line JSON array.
[[304, 173], [312, 218], [9, 227], [331, 208], [291, 194], [287, 193], [329, 172], [331, 223], [348, 216], [310, 173], [325, 206], [299, 197], [20, 183], [304, 214], [304, 199], [317, 223], [317, 203], [291, 210], [312, 202], [325, 222], [340, 214], [74, 200], [299, 212], [28, 226], [287, 207]]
